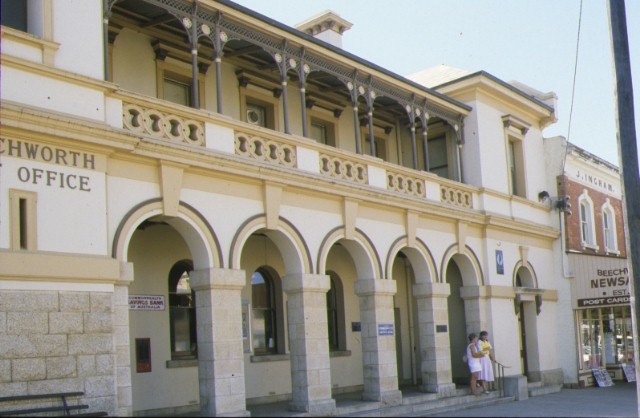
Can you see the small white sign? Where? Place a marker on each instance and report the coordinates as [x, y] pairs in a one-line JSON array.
[[146, 303]]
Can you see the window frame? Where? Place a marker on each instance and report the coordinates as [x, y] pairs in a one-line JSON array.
[[37, 18], [23, 220], [431, 143], [515, 131], [277, 310], [609, 232], [175, 275], [252, 95], [382, 139], [176, 70], [338, 323], [328, 121], [587, 227]]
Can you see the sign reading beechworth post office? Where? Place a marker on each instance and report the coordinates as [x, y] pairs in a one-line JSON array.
[[601, 282]]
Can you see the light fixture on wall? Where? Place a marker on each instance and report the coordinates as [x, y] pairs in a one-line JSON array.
[[563, 204], [543, 196]]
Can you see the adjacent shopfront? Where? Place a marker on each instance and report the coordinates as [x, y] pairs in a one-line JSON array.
[[601, 300]]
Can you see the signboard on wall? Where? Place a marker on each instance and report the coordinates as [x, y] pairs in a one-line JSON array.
[[499, 262], [385, 329], [599, 281], [146, 303]]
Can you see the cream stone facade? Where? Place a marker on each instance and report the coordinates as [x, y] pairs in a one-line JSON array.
[[204, 209]]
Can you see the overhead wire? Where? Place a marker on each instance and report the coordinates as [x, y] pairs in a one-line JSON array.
[[573, 87]]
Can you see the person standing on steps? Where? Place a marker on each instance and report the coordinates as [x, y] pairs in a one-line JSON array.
[[473, 360], [485, 377]]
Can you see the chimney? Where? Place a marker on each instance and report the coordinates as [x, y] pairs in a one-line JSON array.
[[327, 26]]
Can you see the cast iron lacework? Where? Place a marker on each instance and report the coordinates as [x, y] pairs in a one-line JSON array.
[[162, 125], [265, 150], [456, 197]]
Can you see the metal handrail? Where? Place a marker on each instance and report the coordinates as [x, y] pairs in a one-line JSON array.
[[500, 378]]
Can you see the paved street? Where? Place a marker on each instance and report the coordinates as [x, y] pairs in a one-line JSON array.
[[619, 400]]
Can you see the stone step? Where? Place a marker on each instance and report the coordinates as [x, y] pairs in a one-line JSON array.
[[427, 405], [543, 390]]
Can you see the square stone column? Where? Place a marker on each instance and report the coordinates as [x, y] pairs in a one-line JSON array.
[[220, 350], [378, 340], [309, 343], [122, 340], [431, 300]]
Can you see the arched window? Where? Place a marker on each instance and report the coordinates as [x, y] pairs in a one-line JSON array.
[[263, 320], [609, 228], [182, 312], [335, 314], [587, 233]]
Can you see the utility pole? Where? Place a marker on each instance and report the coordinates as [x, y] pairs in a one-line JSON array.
[[628, 156]]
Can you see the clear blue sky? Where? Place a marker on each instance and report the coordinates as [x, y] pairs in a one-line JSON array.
[[531, 41]]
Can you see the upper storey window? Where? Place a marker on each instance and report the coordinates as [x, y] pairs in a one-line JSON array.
[[587, 231], [31, 16], [14, 14], [177, 90], [322, 128], [515, 131], [609, 228], [438, 156]]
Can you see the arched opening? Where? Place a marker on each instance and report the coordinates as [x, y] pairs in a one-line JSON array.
[[162, 325], [346, 356], [457, 324], [527, 304], [408, 353]]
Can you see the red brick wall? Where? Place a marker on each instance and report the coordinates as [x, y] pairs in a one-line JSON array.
[[572, 222]]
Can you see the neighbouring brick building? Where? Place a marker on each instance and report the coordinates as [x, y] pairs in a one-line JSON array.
[[590, 206]]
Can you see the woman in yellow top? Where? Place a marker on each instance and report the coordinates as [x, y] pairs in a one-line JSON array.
[[486, 374]]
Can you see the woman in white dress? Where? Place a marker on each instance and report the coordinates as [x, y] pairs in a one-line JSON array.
[[473, 360], [486, 361]]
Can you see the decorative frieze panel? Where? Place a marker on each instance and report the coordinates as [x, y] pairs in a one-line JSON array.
[[456, 197], [343, 169], [405, 184], [265, 150], [162, 125]]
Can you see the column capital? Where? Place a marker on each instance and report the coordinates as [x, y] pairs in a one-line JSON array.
[[126, 274], [423, 290], [365, 287], [217, 278], [301, 282]]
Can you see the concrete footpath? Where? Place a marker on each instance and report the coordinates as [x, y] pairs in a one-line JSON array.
[[619, 400]]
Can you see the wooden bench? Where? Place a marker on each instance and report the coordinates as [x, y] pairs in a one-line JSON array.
[[46, 402]]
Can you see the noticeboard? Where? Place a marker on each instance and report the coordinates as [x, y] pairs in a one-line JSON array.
[[603, 378], [629, 370]]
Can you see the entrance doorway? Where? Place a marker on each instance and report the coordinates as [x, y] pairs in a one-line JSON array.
[[523, 340]]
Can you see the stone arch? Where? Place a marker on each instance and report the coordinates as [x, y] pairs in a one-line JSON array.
[[362, 252], [467, 262], [189, 223], [530, 278], [421, 259], [287, 238]]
